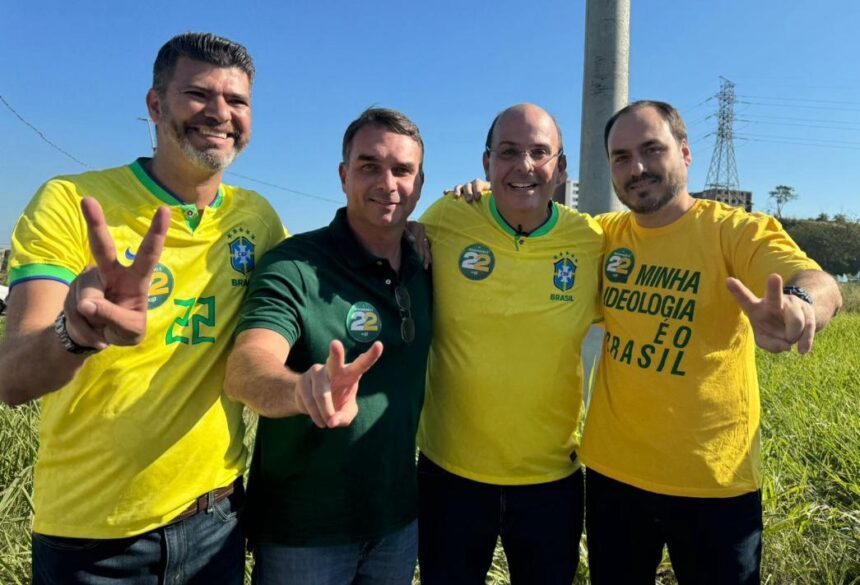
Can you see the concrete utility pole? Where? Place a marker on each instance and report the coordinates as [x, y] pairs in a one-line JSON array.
[[604, 92]]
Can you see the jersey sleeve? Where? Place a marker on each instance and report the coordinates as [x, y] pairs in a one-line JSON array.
[[49, 241], [432, 218], [276, 298], [758, 246]]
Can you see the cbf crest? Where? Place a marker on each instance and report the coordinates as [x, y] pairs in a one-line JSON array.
[[241, 246], [564, 272]]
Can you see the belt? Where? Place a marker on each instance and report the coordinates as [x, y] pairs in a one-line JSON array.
[[201, 504]]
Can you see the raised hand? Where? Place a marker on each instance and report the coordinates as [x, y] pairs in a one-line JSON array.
[[327, 393], [471, 191], [778, 321], [107, 303]]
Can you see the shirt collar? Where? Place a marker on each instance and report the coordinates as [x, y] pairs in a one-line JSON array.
[[357, 256]]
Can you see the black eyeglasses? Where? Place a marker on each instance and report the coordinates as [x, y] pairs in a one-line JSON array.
[[404, 304]]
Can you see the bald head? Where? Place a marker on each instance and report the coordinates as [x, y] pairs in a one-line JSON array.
[[520, 111]]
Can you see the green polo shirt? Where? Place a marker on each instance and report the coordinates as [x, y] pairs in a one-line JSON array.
[[321, 487]]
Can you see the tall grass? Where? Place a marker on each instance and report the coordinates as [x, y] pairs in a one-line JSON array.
[[850, 297], [811, 457]]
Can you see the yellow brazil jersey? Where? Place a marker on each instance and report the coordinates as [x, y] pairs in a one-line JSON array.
[[676, 406], [141, 431], [504, 384]]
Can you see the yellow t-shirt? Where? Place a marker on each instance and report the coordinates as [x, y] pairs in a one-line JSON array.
[[142, 431], [675, 409], [504, 381]]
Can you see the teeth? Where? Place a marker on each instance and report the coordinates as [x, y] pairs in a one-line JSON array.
[[207, 132], [522, 185]]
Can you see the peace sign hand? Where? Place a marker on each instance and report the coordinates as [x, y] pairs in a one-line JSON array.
[[107, 303], [778, 321], [327, 393]]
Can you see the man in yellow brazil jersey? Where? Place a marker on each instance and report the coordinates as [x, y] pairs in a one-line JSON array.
[[689, 288], [516, 276], [138, 477]]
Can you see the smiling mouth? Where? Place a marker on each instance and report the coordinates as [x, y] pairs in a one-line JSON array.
[[522, 186], [642, 184], [211, 133]]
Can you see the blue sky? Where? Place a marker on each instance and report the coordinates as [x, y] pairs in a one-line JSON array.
[[78, 71]]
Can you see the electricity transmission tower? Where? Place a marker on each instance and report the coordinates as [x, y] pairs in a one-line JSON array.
[[723, 173]]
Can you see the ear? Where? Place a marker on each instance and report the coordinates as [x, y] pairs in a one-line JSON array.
[[419, 184], [487, 165], [562, 170], [341, 170], [686, 153], [153, 105]]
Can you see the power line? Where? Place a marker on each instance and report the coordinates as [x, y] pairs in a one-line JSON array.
[[804, 138], [794, 99], [85, 165], [42, 135], [287, 189], [752, 138], [801, 106], [817, 120], [794, 125]]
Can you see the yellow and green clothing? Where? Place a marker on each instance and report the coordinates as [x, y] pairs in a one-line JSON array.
[[141, 431], [324, 487], [504, 381], [675, 409]]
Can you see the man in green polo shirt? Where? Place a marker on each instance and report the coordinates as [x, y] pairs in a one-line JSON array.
[[333, 491]]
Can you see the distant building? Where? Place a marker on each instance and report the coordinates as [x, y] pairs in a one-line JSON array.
[[567, 194], [729, 196]]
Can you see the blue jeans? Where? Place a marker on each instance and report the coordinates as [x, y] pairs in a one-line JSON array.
[[711, 541], [387, 561], [206, 548], [460, 521]]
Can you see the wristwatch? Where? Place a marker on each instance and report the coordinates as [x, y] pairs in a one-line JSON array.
[[69, 343], [798, 292]]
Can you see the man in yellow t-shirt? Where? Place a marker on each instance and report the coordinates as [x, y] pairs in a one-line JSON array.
[[141, 456], [515, 290], [671, 440]]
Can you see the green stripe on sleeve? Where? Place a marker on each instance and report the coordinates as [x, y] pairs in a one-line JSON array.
[[40, 272]]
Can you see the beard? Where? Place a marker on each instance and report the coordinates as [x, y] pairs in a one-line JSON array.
[[207, 159], [653, 202]]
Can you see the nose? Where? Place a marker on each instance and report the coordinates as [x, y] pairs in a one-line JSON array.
[[637, 165], [217, 108], [389, 182], [524, 161]]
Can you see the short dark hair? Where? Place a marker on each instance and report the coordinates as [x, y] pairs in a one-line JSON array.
[[391, 120], [666, 111], [489, 143], [205, 47]]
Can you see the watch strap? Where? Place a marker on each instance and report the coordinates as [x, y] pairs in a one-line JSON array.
[[799, 292], [69, 344]]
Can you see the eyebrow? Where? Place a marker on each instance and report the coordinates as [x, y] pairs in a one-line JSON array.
[[374, 158], [645, 144], [533, 145]]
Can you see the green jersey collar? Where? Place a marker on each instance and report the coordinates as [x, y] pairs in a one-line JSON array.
[[541, 230], [161, 192]]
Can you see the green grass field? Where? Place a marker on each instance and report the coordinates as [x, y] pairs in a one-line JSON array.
[[811, 456]]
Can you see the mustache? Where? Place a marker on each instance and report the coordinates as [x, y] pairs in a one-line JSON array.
[[643, 177]]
